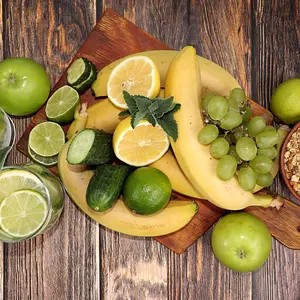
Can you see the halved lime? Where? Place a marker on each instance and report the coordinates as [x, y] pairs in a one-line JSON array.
[[46, 161], [46, 139], [61, 105], [22, 213], [12, 180]]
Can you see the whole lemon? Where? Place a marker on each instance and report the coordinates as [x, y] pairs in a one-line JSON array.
[[285, 101]]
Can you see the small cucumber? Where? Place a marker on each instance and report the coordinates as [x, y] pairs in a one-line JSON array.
[[91, 147], [86, 84], [78, 71], [105, 186]]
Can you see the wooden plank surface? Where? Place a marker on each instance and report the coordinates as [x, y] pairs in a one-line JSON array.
[[258, 42]]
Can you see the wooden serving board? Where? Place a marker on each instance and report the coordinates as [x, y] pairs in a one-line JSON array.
[[115, 37]]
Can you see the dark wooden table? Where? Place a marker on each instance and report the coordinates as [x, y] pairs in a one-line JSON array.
[[258, 42]]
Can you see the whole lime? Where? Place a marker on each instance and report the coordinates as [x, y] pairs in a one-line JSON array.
[[147, 190], [24, 86], [285, 102]]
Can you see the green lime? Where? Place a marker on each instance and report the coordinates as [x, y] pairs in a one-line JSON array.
[[61, 105], [22, 213], [285, 102], [46, 139], [147, 190], [12, 180], [46, 161]]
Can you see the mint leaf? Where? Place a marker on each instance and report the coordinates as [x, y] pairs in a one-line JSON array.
[[124, 113], [132, 107], [151, 119], [164, 106], [139, 116], [169, 125], [154, 106], [175, 107]]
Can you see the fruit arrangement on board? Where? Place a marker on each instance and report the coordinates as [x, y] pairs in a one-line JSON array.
[[166, 120]]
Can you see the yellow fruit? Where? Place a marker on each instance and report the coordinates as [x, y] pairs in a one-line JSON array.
[[137, 75], [169, 165], [184, 83], [103, 115], [285, 102], [213, 77], [140, 146], [119, 218], [80, 119]]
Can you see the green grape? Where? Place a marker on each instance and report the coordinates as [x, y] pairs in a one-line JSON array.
[[267, 139], [231, 120], [205, 100], [270, 128], [247, 179], [217, 107], [208, 134], [261, 164], [256, 126], [247, 115], [270, 152], [238, 95], [237, 135], [219, 147], [232, 152], [264, 180], [226, 167], [246, 148], [233, 105]]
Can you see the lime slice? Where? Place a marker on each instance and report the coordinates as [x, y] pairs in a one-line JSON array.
[[12, 180], [46, 161], [22, 213], [61, 105], [46, 139]]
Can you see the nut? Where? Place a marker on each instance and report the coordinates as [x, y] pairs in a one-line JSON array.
[[292, 161]]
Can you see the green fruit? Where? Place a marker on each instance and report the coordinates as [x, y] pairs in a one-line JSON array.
[[241, 241], [147, 190], [285, 102], [24, 86]]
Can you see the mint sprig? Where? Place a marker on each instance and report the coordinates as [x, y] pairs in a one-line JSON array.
[[155, 111]]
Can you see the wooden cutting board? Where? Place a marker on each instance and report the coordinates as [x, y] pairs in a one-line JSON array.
[[115, 37]]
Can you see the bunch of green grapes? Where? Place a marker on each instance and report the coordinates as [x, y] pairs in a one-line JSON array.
[[244, 146]]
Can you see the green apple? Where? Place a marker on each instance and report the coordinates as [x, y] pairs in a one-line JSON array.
[[24, 86], [241, 241]]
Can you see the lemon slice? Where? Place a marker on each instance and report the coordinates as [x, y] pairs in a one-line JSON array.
[[140, 146], [137, 75], [22, 213]]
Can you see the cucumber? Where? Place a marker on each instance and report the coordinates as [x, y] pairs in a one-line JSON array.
[[91, 147], [78, 71], [86, 84], [105, 186]]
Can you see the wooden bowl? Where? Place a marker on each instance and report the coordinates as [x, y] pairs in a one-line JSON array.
[[283, 150]]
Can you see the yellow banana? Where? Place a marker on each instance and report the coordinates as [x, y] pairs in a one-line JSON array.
[[183, 82], [214, 78], [169, 165], [80, 119], [120, 218]]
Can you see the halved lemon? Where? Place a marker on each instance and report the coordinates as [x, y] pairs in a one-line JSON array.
[[137, 75], [140, 146]]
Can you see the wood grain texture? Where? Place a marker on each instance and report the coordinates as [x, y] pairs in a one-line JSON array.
[[196, 274]]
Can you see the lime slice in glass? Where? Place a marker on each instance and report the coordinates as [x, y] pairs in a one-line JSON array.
[[61, 105], [22, 213], [46, 161], [46, 139], [12, 180]]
